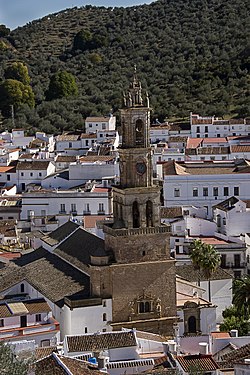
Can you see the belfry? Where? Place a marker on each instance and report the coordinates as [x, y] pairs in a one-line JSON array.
[[142, 275]]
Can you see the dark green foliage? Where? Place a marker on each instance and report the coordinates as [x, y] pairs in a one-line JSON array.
[[13, 92], [191, 55], [9, 365], [62, 85], [4, 31], [19, 71], [234, 319]]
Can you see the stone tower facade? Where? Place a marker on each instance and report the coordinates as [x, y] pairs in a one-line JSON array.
[[142, 277]]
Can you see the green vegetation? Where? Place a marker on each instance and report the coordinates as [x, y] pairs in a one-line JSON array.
[[62, 85], [17, 71], [13, 92], [9, 364], [237, 316], [190, 55], [205, 258]]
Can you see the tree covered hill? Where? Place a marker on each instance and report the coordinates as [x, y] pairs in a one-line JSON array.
[[191, 55]]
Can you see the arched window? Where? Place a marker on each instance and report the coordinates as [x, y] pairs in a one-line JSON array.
[[136, 215], [141, 307], [149, 213], [104, 317], [22, 288], [192, 324], [144, 307], [147, 306], [139, 132]]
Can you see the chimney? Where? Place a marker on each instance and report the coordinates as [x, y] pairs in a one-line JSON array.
[[203, 347], [234, 333]]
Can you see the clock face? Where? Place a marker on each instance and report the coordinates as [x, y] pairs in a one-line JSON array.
[[141, 167]]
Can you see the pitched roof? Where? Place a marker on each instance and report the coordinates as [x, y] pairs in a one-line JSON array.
[[98, 119], [33, 165], [44, 351], [102, 340], [94, 158], [80, 246], [65, 158], [17, 308], [171, 212], [227, 204], [240, 148], [67, 137], [45, 272], [236, 355], [59, 234], [199, 361], [56, 364], [188, 272]]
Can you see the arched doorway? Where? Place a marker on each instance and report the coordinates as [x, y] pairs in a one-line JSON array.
[[139, 132]]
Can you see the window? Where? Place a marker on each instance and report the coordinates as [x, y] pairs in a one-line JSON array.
[[22, 174], [103, 126], [101, 135], [86, 330], [87, 142], [104, 317], [177, 249], [218, 135], [223, 260], [8, 177], [87, 209], [1, 322], [144, 307], [101, 207], [70, 144], [236, 190], [90, 125], [38, 318], [73, 207], [226, 191], [212, 157], [104, 304], [206, 129], [197, 129], [206, 135], [40, 174], [62, 207], [195, 192], [104, 330], [185, 212], [176, 192], [22, 288], [31, 174], [205, 191], [215, 191]]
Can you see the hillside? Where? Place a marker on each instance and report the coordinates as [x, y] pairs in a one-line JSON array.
[[191, 55]]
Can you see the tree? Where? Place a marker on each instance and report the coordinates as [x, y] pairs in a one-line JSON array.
[[205, 258], [9, 364], [62, 84], [19, 71], [82, 40], [234, 319], [13, 92], [4, 31], [241, 294]]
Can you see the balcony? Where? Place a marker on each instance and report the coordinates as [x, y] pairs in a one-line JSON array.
[[87, 212], [100, 212], [233, 265], [73, 213], [12, 333]]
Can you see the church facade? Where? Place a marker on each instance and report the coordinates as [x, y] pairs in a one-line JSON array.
[[142, 276]]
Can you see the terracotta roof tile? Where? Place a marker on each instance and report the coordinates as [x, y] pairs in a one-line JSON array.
[[189, 273], [37, 306], [45, 351], [199, 361], [33, 165], [236, 355], [109, 340]]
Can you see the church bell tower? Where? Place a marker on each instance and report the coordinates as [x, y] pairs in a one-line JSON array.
[[142, 275], [136, 201]]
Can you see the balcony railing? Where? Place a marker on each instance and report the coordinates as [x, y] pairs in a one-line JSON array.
[[233, 265], [6, 333]]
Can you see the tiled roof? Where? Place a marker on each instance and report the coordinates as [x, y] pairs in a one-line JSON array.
[[67, 137], [93, 158], [220, 335], [7, 228], [45, 272], [173, 168], [33, 165], [90, 136], [60, 233], [37, 306], [96, 341], [214, 140], [150, 336], [188, 272], [4, 311], [179, 126], [97, 119], [212, 150], [56, 364], [44, 351], [4, 169], [227, 204], [89, 221], [80, 246], [236, 355], [171, 212], [200, 361], [65, 158], [240, 148]]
